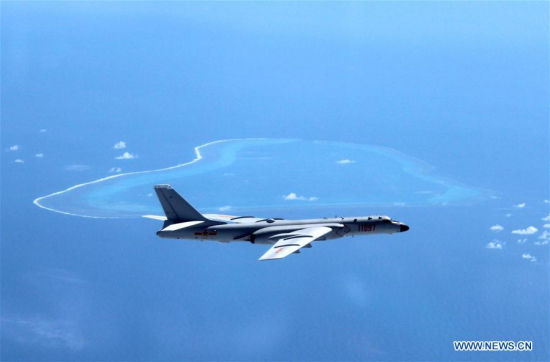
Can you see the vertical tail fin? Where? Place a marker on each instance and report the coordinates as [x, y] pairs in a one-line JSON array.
[[175, 207]]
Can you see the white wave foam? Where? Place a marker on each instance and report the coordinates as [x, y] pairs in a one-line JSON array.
[[196, 159]]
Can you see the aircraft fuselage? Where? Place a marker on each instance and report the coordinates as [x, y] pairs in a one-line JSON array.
[[262, 231], [286, 237]]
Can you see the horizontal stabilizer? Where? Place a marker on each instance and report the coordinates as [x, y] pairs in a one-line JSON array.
[[155, 217], [181, 225]]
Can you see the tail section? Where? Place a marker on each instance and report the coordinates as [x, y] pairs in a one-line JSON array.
[[175, 207]]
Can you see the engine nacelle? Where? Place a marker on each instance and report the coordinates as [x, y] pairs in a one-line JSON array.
[[263, 236]]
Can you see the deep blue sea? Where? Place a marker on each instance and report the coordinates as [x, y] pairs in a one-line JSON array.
[[433, 113]]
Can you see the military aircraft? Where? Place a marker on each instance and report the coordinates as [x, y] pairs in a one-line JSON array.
[[182, 221]]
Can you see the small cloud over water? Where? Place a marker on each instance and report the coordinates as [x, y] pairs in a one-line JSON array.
[[544, 238], [529, 257], [126, 156], [528, 231], [345, 161], [495, 244], [294, 196]]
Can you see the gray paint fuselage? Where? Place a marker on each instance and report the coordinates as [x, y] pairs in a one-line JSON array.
[[261, 232]]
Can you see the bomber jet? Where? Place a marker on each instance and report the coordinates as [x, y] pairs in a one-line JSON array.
[[286, 237]]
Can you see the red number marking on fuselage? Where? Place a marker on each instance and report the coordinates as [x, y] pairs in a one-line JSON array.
[[366, 228]]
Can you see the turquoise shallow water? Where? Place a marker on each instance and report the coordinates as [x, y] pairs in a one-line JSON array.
[[262, 174]]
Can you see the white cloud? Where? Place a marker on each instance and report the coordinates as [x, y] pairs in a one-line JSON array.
[[115, 169], [149, 194], [225, 208], [520, 206], [547, 218], [545, 235], [522, 241], [546, 201], [495, 244], [119, 145], [39, 155], [496, 228], [43, 130], [77, 168], [508, 215], [529, 257], [19, 161], [345, 161], [293, 196], [126, 156], [546, 226], [14, 148], [529, 231]]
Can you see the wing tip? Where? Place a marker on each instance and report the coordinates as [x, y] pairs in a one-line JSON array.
[[155, 217], [265, 259]]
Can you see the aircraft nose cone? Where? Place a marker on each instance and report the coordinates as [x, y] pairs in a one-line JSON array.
[[403, 228]]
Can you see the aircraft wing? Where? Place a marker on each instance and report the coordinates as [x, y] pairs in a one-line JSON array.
[[292, 242]]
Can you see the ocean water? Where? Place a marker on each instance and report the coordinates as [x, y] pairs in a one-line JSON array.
[[441, 109]]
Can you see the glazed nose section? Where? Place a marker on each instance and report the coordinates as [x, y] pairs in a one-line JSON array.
[[403, 228]]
